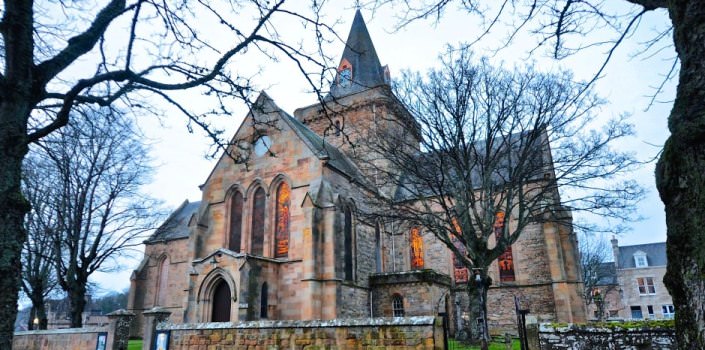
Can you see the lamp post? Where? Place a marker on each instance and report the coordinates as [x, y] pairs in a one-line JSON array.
[[481, 288]]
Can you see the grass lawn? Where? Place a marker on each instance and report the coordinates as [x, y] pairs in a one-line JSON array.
[[134, 344], [452, 344]]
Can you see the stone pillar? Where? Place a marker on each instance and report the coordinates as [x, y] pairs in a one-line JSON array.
[[152, 317], [532, 335], [119, 327]]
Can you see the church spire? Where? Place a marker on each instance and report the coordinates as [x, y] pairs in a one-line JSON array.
[[359, 67]]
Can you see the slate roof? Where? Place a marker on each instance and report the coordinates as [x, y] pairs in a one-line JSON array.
[[325, 150], [176, 226], [437, 168], [655, 254], [367, 72], [607, 274]]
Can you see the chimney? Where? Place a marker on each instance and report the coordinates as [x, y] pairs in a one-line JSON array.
[[615, 251]]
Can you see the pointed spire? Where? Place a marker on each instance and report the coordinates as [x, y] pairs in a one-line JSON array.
[[359, 67]]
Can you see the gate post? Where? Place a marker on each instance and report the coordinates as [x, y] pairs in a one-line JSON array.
[[120, 322], [152, 317]]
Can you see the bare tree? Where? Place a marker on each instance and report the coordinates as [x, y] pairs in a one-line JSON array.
[[58, 55], [95, 166], [490, 152], [38, 274], [599, 274], [568, 27]]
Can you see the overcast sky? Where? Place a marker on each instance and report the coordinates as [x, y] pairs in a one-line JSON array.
[[627, 83]]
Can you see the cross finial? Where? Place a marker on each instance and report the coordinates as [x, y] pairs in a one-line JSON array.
[[357, 4]]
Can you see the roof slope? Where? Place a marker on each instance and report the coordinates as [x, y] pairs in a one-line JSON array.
[[655, 254], [176, 226], [367, 72]]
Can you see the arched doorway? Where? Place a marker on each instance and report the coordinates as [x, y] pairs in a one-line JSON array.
[[221, 303]]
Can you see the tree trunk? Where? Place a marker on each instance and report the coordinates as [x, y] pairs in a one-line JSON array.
[[77, 299], [15, 106], [38, 311], [477, 309], [680, 177]]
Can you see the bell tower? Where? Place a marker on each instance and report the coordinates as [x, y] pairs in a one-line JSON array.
[[360, 102]]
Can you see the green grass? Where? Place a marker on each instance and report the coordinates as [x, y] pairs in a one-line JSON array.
[[494, 345], [135, 344]]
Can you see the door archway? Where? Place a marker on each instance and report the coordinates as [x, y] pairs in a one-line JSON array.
[[222, 302]]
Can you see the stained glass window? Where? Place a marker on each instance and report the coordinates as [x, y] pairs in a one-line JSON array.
[[505, 261], [460, 271], [235, 222], [348, 232], [416, 242], [282, 229], [257, 246]]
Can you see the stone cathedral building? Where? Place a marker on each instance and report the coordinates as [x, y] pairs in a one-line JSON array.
[[276, 237]]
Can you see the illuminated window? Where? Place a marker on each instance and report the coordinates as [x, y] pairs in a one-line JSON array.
[[506, 260], [460, 271], [257, 246], [646, 285], [282, 229], [348, 232], [397, 305], [162, 282], [416, 242], [235, 222]]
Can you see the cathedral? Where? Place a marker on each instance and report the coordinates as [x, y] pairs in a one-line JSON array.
[[275, 235]]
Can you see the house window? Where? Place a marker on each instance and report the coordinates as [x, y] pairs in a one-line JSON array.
[[235, 222], [282, 229], [636, 312], [264, 304], [646, 285], [416, 243], [613, 313], [650, 310], [162, 281], [397, 305], [348, 233], [257, 246], [668, 311], [640, 260]]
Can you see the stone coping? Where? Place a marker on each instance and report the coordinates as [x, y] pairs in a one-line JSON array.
[[413, 276], [64, 331], [617, 328], [340, 322]]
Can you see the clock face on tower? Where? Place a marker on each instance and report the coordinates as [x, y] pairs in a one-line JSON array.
[[345, 77]]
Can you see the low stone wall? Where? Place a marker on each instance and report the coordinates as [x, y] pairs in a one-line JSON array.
[[59, 339], [606, 338], [373, 333]]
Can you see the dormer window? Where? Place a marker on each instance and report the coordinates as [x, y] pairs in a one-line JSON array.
[[640, 259]]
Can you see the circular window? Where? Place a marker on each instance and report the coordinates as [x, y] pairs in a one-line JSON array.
[[262, 145]]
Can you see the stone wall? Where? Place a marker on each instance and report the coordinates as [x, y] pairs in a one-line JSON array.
[[59, 339], [612, 338], [399, 333]]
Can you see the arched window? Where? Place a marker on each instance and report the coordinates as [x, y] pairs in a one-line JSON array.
[[416, 243], [257, 246], [264, 304], [235, 222], [348, 232], [221, 303], [397, 305], [337, 128], [378, 248], [506, 260], [162, 282], [282, 215]]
